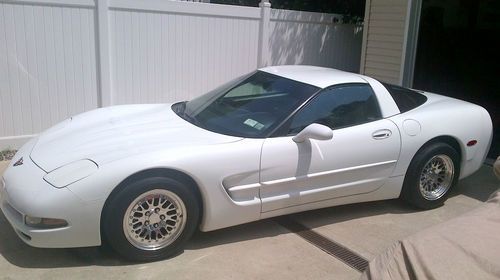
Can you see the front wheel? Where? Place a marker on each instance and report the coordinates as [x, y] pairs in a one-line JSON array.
[[150, 219], [432, 173]]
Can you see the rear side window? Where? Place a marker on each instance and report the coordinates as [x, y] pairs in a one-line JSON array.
[[406, 99]]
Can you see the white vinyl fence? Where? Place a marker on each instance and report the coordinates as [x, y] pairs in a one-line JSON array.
[[63, 57]]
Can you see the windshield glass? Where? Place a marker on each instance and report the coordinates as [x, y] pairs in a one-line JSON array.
[[249, 106]]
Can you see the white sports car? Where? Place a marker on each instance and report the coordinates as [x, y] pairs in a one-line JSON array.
[[279, 140]]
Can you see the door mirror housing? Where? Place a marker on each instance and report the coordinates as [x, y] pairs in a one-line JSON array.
[[314, 131]]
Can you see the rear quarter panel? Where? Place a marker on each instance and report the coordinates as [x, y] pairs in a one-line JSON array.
[[444, 116]]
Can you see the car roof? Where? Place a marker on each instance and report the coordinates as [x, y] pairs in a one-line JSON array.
[[317, 76]]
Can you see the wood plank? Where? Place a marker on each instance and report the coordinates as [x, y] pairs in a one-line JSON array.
[[389, 16], [378, 51], [387, 31], [392, 3], [387, 23], [384, 66], [385, 38], [388, 9], [397, 46], [382, 58]]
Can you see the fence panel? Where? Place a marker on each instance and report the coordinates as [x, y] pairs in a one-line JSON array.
[[47, 65], [313, 39], [165, 57]]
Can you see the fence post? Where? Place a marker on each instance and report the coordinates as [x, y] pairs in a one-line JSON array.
[[103, 59], [265, 16]]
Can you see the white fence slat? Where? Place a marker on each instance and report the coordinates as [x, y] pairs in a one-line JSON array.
[[60, 65], [22, 73], [41, 65], [103, 67], [50, 70], [6, 122]]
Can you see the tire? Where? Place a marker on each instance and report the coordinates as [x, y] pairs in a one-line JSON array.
[[432, 173], [150, 219]]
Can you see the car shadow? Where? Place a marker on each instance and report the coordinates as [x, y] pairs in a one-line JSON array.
[[480, 187], [270, 227]]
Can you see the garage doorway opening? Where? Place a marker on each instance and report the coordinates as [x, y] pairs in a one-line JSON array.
[[458, 54]]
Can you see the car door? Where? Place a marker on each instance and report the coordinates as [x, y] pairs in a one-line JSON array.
[[358, 159]]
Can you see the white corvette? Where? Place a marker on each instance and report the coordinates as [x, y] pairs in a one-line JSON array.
[[277, 141]]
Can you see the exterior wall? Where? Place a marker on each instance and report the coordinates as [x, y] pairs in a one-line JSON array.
[[59, 58], [385, 37]]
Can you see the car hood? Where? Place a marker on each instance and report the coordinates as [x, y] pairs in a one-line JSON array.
[[117, 132]]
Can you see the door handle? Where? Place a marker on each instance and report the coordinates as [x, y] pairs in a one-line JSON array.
[[381, 134]]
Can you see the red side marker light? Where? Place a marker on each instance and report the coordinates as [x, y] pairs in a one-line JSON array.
[[471, 143]]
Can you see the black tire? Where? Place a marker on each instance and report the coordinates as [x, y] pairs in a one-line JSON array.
[[113, 227], [411, 191]]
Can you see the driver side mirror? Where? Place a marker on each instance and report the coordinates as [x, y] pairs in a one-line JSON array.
[[314, 131]]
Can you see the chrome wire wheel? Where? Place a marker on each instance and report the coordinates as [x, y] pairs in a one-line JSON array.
[[436, 177], [154, 220]]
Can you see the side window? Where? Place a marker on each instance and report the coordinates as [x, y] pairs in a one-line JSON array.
[[405, 98], [338, 107]]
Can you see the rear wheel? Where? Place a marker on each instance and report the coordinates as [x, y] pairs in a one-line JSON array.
[[150, 219], [431, 175]]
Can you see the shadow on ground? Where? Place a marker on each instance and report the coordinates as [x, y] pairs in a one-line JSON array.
[[479, 186]]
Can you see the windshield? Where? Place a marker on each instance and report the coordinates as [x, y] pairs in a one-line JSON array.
[[249, 106]]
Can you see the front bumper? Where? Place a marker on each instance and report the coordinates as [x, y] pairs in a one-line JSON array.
[[24, 192]]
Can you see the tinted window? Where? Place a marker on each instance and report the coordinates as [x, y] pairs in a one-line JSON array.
[[250, 107], [406, 99], [338, 107]]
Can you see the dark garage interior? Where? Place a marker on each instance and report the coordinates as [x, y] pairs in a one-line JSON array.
[[458, 54]]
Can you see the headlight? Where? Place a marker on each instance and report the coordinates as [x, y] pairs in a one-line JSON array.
[[70, 173]]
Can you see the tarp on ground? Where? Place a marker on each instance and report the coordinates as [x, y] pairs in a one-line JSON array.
[[466, 247]]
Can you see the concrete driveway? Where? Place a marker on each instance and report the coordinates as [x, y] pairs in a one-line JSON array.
[[260, 250]]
